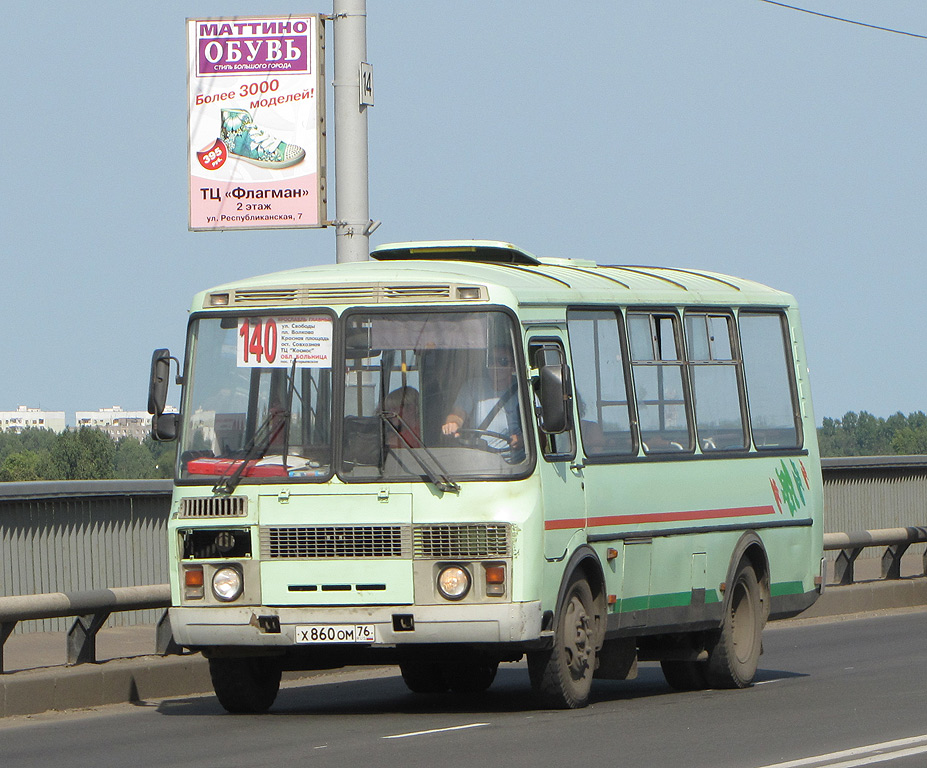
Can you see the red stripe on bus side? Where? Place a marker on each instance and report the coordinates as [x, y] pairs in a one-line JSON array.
[[658, 517]]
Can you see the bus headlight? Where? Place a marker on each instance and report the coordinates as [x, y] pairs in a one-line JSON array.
[[227, 584], [454, 582]]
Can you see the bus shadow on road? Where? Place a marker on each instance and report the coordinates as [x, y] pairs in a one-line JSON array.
[[511, 692]]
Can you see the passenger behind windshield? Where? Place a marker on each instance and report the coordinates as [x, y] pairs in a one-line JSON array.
[[401, 408], [487, 408]]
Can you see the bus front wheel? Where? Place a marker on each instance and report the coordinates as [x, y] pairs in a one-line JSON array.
[[246, 685], [562, 676], [423, 676], [471, 676], [734, 653]]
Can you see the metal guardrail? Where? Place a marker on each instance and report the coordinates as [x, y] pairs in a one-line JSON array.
[[895, 540], [94, 607], [91, 610], [126, 519], [83, 536]]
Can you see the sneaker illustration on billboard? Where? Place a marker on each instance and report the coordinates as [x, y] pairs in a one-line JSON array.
[[248, 141]]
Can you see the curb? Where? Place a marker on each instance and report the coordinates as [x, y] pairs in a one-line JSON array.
[[137, 679], [869, 596], [118, 681]]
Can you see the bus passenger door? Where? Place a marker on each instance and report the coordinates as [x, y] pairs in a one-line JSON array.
[[561, 477]]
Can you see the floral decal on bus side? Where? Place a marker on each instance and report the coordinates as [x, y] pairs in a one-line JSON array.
[[793, 482]]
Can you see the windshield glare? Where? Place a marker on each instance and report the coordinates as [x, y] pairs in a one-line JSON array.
[[425, 396]]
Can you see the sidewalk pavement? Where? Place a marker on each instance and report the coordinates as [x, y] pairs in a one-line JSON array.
[[37, 678]]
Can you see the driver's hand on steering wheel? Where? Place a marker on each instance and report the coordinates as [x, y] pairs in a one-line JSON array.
[[452, 426]]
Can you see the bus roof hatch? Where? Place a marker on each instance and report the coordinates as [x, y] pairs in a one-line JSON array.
[[489, 251]]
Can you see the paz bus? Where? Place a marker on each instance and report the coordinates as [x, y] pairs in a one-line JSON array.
[[459, 454]]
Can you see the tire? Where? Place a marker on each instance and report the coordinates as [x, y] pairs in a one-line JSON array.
[[734, 652], [423, 677], [470, 676], [562, 676], [685, 675], [246, 685]]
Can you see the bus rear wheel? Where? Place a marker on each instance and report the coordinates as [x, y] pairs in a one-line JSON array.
[[245, 685], [684, 675], [734, 653], [562, 676]]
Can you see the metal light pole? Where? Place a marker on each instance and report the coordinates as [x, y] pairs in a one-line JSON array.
[[353, 90]]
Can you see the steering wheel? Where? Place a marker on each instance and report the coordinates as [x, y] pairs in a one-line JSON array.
[[476, 438]]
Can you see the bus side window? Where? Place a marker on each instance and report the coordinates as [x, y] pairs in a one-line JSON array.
[[601, 376], [715, 371], [659, 382], [775, 418], [559, 446]]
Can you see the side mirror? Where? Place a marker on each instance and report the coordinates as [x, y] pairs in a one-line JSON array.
[[163, 425], [553, 389], [158, 381]]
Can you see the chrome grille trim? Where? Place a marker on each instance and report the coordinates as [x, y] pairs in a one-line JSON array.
[[313, 542], [214, 506], [470, 541]]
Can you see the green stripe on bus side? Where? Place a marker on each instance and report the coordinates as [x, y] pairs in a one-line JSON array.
[[672, 600], [787, 588], [682, 599]]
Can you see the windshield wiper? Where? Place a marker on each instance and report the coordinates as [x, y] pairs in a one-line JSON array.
[[266, 433], [440, 479]]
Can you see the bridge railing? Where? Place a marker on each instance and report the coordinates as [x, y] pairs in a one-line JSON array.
[[895, 540], [93, 549], [93, 608]]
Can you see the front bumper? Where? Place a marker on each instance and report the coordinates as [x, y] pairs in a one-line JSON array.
[[430, 624]]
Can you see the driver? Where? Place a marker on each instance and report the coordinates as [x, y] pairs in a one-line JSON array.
[[490, 405]]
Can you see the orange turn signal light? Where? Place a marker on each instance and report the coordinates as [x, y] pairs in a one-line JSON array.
[[193, 577]]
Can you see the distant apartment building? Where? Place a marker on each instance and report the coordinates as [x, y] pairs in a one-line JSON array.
[[116, 422], [25, 418]]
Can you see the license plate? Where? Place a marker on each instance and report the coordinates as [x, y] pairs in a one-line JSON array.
[[335, 633]]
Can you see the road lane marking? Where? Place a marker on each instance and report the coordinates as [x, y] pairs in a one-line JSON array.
[[434, 730], [887, 750]]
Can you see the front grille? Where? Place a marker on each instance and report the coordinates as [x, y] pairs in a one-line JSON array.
[[215, 506], [471, 541], [430, 542], [335, 541]]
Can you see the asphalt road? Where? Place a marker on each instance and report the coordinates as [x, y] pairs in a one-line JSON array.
[[834, 694]]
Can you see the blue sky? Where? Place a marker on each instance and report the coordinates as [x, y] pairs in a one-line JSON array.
[[729, 135]]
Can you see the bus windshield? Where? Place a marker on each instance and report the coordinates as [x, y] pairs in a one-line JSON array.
[[431, 393], [421, 396], [259, 399]]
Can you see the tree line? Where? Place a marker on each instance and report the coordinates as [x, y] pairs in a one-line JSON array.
[[90, 454], [81, 454], [863, 434]]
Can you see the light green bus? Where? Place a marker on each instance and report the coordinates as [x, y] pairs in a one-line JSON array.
[[458, 454]]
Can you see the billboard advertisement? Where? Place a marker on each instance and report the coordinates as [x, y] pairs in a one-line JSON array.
[[256, 116]]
